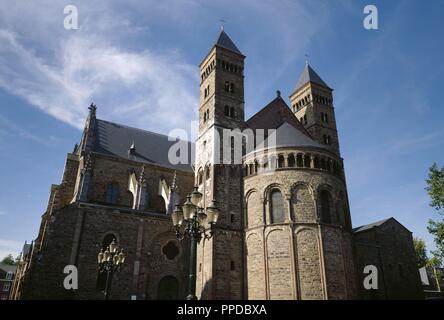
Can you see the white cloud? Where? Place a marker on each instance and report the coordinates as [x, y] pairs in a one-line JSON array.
[[139, 88], [61, 72], [10, 247]]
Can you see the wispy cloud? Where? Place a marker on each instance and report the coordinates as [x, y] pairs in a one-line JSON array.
[[140, 88], [155, 89]]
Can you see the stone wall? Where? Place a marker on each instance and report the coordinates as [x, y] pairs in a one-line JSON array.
[[75, 236], [389, 247], [303, 257]]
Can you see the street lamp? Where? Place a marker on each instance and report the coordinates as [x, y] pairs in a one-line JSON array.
[[110, 261], [192, 220]]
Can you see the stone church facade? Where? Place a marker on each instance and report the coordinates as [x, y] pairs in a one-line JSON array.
[[284, 231]]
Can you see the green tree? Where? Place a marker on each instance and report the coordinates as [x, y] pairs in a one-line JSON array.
[[9, 260], [421, 252], [435, 189]]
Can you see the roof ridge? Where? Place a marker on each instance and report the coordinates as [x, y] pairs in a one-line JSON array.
[[139, 129]]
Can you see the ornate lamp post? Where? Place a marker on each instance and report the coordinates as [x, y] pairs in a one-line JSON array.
[[110, 261], [196, 223]]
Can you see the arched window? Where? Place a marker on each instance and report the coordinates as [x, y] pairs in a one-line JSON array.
[[232, 112], [227, 111], [227, 86], [307, 161], [291, 161], [208, 114], [323, 164], [276, 207], [251, 168], [281, 161], [325, 206], [299, 160], [112, 193], [256, 166], [200, 177], [168, 288], [232, 87], [207, 173], [205, 117], [316, 162]]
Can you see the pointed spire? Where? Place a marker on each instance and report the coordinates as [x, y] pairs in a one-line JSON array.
[[309, 75], [142, 178], [225, 42], [174, 183], [92, 110]]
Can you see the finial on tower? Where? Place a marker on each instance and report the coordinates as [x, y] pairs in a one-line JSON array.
[[278, 93], [306, 59], [222, 21]]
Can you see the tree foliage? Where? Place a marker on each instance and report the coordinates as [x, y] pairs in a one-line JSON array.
[[421, 252], [435, 189], [9, 260]]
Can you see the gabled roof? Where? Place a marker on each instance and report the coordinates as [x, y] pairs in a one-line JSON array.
[[8, 268], [273, 115], [225, 42], [309, 75], [289, 131], [149, 147], [370, 225]]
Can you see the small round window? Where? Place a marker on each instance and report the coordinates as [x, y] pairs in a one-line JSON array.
[[170, 250]]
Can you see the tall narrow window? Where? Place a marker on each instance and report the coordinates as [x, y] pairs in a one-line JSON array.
[[112, 193], [227, 111], [281, 161], [291, 160], [227, 86], [277, 207], [232, 112], [325, 206], [232, 87]]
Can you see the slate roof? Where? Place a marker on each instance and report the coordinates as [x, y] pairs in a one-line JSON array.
[[8, 268], [115, 140], [273, 115], [370, 225], [289, 131], [224, 41], [309, 75], [289, 136]]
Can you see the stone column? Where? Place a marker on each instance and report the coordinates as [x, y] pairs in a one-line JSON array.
[[312, 161], [141, 196], [288, 215]]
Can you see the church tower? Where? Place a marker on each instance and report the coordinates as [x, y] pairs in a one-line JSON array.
[[312, 104], [221, 109]]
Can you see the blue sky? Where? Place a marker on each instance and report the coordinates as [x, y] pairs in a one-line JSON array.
[[137, 60]]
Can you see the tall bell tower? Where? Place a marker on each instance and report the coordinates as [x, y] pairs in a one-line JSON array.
[[221, 109], [312, 104]]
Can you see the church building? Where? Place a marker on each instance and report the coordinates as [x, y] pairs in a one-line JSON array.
[[285, 227]]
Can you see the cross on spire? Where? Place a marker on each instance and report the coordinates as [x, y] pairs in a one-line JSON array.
[[306, 59], [222, 22]]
